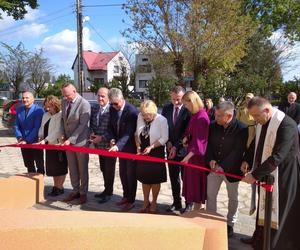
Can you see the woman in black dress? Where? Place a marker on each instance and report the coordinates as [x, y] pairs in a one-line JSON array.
[[51, 132], [151, 137]]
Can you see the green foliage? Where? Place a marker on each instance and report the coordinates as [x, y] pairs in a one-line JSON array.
[[274, 15], [158, 90], [215, 38], [55, 88], [134, 101], [285, 88], [17, 8]]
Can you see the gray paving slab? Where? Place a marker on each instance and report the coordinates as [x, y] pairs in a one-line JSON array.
[[11, 163]]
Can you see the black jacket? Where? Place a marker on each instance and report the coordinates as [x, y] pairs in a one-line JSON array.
[[227, 146]]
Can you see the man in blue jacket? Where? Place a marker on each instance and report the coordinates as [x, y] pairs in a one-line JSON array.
[[28, 121]]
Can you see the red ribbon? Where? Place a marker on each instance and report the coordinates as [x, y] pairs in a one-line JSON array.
[[124, 155]]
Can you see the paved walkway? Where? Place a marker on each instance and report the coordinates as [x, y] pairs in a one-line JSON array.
[[11, 163]]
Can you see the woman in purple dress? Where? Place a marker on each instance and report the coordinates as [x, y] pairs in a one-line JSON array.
[[196, 137]]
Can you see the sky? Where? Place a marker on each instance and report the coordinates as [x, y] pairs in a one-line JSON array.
[[53, 27]]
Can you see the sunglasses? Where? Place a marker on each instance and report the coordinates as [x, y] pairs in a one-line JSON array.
[[115, 103]]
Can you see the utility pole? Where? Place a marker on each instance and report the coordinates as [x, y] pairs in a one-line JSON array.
[[79, 46]]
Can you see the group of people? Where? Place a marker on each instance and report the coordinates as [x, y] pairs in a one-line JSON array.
[[251, 142]]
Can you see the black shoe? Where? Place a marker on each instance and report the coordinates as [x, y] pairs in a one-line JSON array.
[[100, 195], [104, 199], [229, 231], [56, 191], [52, 191], [247, 240], [173, 208], [188, 208]]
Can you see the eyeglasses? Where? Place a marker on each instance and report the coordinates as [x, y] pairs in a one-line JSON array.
[[115, 103]]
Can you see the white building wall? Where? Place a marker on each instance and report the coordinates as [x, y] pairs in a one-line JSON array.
[[141, 59], [120, 63]]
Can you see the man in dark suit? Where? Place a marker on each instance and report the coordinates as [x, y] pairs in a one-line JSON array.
[[227, 143], [76, 116], [99, 127], [178, 119], [28, 121], [291, 107], [122, 126]]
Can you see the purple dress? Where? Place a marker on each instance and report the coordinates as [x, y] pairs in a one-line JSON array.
[[194, 180]]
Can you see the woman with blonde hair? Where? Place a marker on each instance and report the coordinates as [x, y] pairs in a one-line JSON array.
[[151, 137], [51, 132], [196, 138]]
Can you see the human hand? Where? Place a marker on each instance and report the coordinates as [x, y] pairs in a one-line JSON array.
[[185, 159], [66, 143], [147, 150], [172, 153], [213, 164], [21, 142], [249, 179], [245, 167], [114, 149], [95, 139], [169, 146]]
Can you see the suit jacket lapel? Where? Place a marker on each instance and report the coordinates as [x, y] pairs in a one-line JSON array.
[[74, 106], [29, 111]]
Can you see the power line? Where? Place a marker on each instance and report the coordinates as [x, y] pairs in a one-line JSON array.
[[21, 27], [100, 35], [40, 19], [105, 5]]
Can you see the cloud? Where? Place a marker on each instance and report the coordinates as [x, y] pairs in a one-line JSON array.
[[32, 14], [6, 22], [22, 28], [61, 48]]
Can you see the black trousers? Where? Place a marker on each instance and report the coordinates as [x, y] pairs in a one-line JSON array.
[[107, 167], [128, 179], [176, 176], [33, 160]]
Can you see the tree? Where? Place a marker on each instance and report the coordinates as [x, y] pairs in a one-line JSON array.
[[158, 89], [15, 63], [259, 71], [40, 70], [201, 36], [17, 8], [275, 15], [216, 37], [157, 25], [55, 88]]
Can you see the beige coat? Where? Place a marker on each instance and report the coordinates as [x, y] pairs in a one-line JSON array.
[[55, 130], [243, 116]]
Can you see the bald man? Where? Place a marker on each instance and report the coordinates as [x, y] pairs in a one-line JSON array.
[[291, 107], [28, 121], [76, 116]]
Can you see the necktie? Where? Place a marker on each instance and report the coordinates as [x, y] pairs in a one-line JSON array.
[[69, 108], [119, 117], [175, 115]]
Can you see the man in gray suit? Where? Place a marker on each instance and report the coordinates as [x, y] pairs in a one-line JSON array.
[[76, 116]]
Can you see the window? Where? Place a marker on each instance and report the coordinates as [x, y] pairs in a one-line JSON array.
[[145, 68], [145, 59], [142, 83], [120, 58], [99, 80], [116, 69]]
